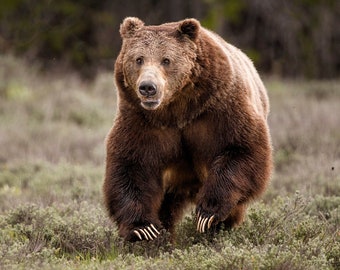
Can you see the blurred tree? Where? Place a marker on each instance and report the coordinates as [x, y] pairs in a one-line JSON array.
[[54, 31], [289, 38]]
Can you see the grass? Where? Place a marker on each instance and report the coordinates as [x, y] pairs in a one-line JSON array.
[[53, 128]]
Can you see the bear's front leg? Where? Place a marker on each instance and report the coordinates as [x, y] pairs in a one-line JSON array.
[[133, 186], [235, 177], [133, 197]]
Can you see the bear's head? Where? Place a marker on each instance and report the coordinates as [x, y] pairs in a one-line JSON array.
[[157, 61]]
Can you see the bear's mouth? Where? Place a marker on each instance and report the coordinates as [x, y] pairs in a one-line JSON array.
[[150, 104]]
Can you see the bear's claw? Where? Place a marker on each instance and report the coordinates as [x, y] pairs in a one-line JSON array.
[[148, 233], [204, 223]]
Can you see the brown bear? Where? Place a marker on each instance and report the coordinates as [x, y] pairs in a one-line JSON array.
[[191, 127]]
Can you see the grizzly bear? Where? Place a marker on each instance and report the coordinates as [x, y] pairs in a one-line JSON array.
[[191, 128]]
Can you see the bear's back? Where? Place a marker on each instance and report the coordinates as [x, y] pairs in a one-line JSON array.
[[243, 70]]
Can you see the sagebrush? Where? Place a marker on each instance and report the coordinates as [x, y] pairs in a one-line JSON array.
[[52, 135]]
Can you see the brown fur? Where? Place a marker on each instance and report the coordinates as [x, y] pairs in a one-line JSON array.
[[202, 138]]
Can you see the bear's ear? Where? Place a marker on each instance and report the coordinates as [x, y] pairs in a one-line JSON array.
[[129, 26], [190, 28]]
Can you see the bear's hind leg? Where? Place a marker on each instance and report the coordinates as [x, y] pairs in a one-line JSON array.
[[172, 209], [235, 217]]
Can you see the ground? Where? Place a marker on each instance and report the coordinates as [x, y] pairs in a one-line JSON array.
[[51, 211]]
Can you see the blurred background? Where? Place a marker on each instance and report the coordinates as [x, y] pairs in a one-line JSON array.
[[58, 102], [299, 38]]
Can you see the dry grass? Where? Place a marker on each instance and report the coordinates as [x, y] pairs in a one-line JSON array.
[[305, 126], [52, 164], [53, 117]]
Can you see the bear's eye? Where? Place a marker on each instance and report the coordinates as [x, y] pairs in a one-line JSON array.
[[166, 61], [139, 60]]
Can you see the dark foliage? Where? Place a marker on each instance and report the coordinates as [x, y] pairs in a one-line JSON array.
[[289, 38]]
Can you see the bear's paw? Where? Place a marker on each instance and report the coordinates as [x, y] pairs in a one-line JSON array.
[[146, 233], [204, 222]]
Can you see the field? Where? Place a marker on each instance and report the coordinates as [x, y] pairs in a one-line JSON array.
[[52, 132]]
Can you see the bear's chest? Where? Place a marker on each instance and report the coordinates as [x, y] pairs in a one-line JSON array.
[[189, 167], [204, 137]]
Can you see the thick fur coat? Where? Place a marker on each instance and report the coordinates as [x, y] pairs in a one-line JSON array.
[[191, 127]]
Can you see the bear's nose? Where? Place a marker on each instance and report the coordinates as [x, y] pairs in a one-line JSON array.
[[147, 89]]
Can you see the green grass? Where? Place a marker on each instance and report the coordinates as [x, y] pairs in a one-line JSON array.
[[52, 155]]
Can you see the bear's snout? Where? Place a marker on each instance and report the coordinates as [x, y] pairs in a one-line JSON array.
[[147, 89], [149, 95], [150, 87]]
